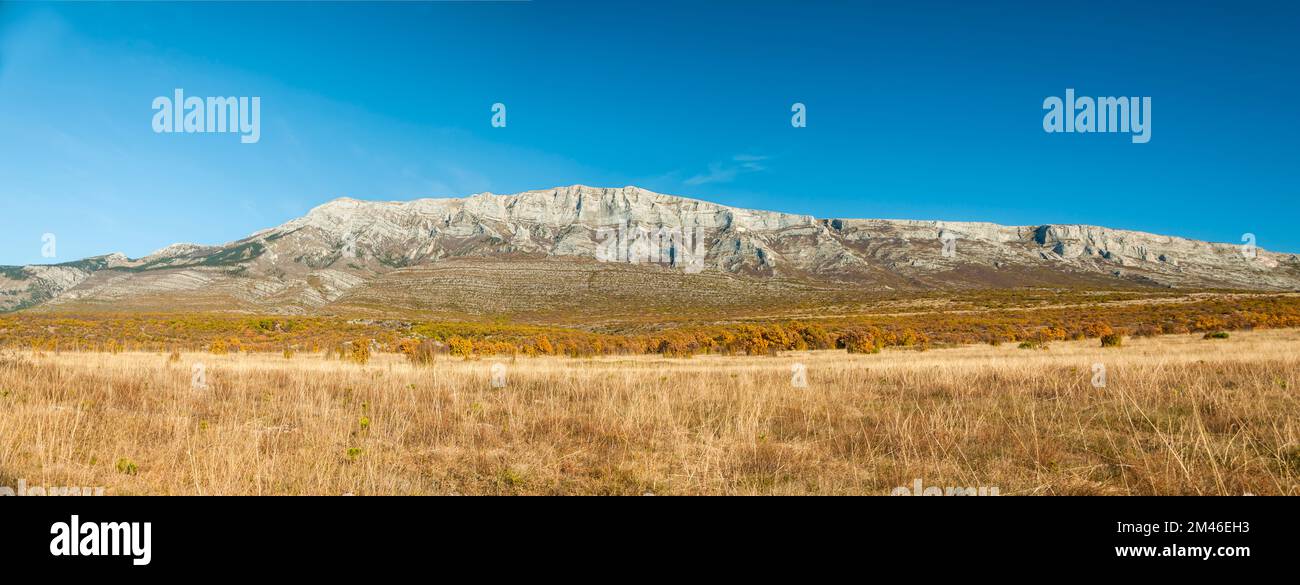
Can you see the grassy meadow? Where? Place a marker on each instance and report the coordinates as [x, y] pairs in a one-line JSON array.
[[1178, 414]]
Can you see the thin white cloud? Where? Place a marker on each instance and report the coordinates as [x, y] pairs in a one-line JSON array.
[[727, 171]]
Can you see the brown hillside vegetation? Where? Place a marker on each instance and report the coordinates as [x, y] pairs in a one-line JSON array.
[[917, 321]]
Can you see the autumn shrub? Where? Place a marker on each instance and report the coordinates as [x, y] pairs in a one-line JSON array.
[[752, 340], [424, 353], [1097, 329], [675, 346], [1211, 323], [461, 347], [359, 352], [914, 339], [859, 341], [1112, 340], [1146, 330], [420, 352], [488, 347]]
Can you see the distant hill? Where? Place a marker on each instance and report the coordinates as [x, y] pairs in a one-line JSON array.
[[622, 248]]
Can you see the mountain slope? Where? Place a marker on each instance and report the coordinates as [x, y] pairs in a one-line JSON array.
[[551, 248]]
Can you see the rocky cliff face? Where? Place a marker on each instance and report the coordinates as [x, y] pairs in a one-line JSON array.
[[346, 246]]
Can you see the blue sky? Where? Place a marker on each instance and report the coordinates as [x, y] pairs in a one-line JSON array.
[[925, 110]]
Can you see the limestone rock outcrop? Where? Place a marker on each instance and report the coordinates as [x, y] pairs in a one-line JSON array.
[[348, 244]]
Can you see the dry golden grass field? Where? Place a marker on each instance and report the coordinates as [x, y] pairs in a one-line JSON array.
[[1178, 415]]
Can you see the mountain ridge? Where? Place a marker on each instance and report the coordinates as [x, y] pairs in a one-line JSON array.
[[344, 245]]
